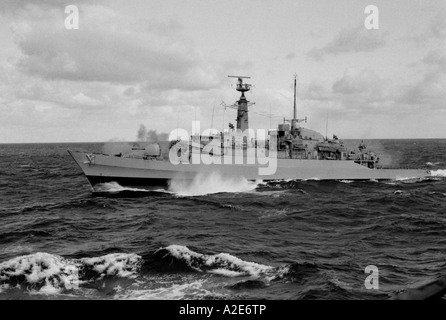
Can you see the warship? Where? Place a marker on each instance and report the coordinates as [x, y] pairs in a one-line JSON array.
[[292, 152]]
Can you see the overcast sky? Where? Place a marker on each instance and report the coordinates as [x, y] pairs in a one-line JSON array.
[[163, 63]]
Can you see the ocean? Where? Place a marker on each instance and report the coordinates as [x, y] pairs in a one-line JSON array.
[[218, 238]]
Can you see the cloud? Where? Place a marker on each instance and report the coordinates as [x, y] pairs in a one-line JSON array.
[[366, 92], [430, 91], [365, 84], [355, 88], [434, 30], [110, 47], [357, 39], [290, 56], [436, 59], [98, 81], [19, 6], [438, 26]]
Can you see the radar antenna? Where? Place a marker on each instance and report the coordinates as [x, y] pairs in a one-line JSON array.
[[242, 104]]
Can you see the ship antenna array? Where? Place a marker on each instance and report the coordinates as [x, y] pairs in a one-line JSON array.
[[240, 86], [247, 87], [243, 77], [294, 121], [295, 111]]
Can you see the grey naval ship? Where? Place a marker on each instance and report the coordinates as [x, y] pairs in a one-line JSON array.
[[299, 154]]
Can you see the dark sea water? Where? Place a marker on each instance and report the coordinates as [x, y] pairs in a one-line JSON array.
[[218, 238]]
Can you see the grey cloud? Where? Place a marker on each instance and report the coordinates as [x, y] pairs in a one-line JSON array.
[[436, 59], [438, 25], [290, 56], [367, 92], [365, 82], [429, 93], [112, 50], [18, 6], [357, 39], [435, 30]]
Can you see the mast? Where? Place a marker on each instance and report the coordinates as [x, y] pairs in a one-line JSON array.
[[295, 111], [242, 103], [294, 121]]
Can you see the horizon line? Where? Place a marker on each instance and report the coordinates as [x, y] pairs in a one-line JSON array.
[[134, 141]]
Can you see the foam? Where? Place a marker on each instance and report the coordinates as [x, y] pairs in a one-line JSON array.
[[210, 183], [4, 287], [122, 265], [435, 193], [222, 263], [275, 213], [52, 274], [227, 273], [48, 271], [433, 163], [113, 187], [173, 291], [438, 173]]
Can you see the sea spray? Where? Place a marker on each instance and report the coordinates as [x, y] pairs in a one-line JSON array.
[[222, 263], [52, 274], [209, 183], [438, 173], [114, 187]]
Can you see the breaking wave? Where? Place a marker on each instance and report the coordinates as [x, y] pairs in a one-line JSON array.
[[221, 264], [211, 183], [52, 274], [224, 264], [113, 187], [438, 173]]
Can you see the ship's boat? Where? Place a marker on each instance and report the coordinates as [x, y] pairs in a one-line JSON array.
[[288, 152]]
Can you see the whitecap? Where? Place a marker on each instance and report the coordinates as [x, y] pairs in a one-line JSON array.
[[218, 262], [52, 274], [211, 183], [114, 187], [173, 291], [438, 173]]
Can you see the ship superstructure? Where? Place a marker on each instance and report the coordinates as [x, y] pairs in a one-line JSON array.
[[297, 153]]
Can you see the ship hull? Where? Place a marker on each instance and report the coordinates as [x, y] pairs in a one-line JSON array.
[[159, 173]]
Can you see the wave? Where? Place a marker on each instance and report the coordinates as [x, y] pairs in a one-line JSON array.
[[52, 274], [202, 184], [433, 163], [438, 173], [401, 193], [113, 187], [222, 264], [187, 289], [48, 274], [275, 213], [434, 193], [211, 183]]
